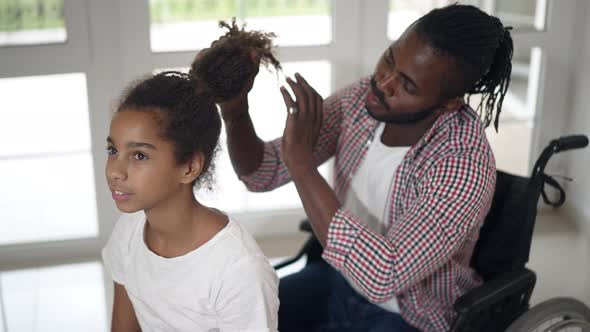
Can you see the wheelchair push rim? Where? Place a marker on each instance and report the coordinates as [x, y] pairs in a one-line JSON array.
[[559, 314]]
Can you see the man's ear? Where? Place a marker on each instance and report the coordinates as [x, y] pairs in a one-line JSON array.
[[193, 168], [454, 104]]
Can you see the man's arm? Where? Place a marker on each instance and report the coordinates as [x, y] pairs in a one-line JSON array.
[[245, 147], [260, 165], [300, 138], [124, 318], [455, 196]]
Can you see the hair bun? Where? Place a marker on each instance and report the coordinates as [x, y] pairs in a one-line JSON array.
[[227, 66]]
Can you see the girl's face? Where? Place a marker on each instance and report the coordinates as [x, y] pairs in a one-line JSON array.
[[141, 170]]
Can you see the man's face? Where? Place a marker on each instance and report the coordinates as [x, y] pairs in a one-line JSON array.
[[408, 82]]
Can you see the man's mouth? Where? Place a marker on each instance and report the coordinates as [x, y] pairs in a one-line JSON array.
[[373, 101], [375, 96]]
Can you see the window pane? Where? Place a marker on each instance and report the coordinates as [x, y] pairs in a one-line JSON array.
[[57, 298], [45, 159], [31, 22], [269, 115], [190, 25], [2, 314], [402, 13], [47, 198], [44, 114], [229, 193], [296, 22], [525, 14]]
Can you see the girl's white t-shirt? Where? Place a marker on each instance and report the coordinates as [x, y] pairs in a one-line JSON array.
[[227, 284]]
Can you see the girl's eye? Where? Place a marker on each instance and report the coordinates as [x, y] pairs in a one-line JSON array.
[[140, 156], [111, 151]]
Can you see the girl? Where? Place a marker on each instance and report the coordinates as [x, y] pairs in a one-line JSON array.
[[178, 265]]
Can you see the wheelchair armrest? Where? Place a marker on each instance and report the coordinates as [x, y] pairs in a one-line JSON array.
[[495, 290], [305, 226], [496, 303], [312, 247]]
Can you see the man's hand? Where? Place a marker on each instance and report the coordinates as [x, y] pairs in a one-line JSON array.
[[237, 106], [303, 125]]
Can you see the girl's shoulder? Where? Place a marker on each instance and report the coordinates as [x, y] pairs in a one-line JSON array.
[[235, 243], [243, 257], [128, 226], [117, 250]]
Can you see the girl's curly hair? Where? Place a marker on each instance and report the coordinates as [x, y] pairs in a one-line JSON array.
[[187, 119]]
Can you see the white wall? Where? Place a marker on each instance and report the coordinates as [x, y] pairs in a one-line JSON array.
[[579, 120]]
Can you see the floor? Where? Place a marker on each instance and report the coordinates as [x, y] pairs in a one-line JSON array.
[[75, 297], [560, 255]]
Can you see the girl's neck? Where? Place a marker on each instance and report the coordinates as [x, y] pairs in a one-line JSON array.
[[179, 225]]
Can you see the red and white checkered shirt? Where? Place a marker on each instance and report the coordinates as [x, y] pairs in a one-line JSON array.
[[441, 194]]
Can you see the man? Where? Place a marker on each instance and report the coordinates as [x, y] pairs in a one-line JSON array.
[[414, 176]]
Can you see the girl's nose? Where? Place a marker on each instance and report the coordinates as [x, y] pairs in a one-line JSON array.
[[116, 170]]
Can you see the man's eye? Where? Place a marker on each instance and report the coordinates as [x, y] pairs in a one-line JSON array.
[[409, 87], [111, 151]]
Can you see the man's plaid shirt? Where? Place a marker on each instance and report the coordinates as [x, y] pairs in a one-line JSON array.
[[441, 194]]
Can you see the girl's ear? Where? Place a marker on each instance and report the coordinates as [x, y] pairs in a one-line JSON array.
[[193, 168]]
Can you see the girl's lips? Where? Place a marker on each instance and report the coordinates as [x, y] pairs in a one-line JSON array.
[[120, 196]]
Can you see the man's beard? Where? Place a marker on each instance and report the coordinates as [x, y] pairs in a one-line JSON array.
[[391, 117]]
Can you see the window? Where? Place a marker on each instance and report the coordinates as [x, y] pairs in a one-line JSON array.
[[45, 160], [78, 82], [513, 141]]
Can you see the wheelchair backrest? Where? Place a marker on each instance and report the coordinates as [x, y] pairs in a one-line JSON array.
[[505, 238]]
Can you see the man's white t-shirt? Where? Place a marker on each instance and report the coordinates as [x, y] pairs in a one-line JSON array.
[[227, 284], [370, 192]]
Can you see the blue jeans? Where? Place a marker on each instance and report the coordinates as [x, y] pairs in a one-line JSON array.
[[319, 299]]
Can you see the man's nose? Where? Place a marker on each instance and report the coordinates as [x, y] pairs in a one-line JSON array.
[[388, 84]]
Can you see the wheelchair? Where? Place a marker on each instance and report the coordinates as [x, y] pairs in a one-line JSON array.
[[501, 303]]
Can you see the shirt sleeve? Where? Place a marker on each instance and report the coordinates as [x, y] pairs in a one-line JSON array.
[[454, 197], [116, 251], [248, 298], [272, 172]]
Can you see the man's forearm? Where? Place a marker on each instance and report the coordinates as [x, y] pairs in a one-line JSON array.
[[319, 201], [245, 148]]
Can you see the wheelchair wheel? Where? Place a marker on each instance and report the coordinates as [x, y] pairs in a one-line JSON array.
[[559, 314]]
